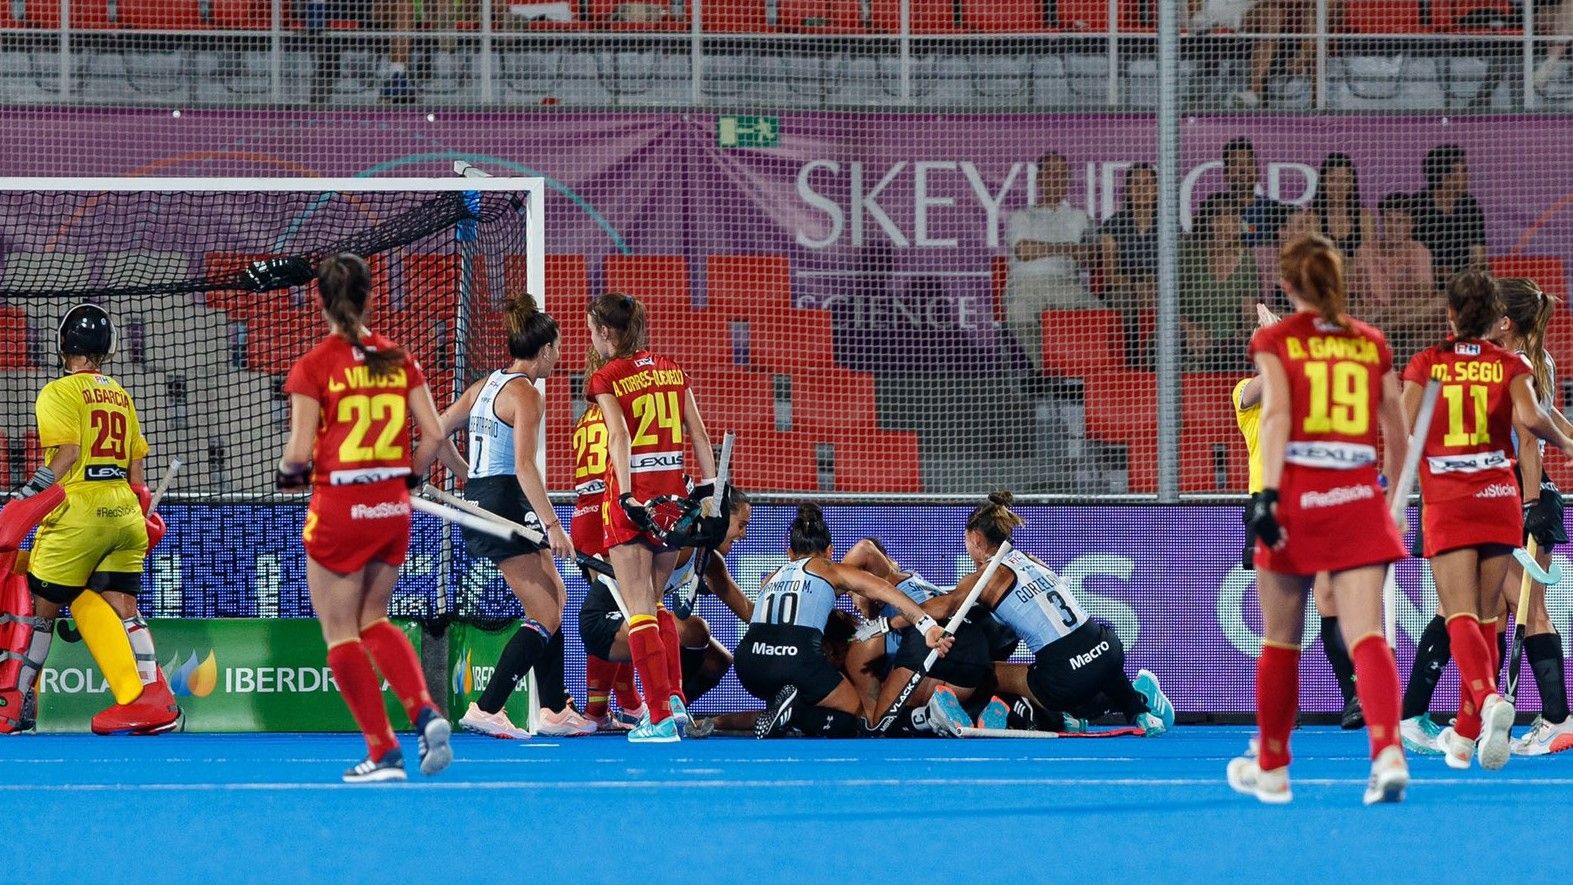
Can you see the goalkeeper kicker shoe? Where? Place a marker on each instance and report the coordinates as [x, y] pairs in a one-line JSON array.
[[995, 715], [663, 732], [1146, 685], [1420, 734], [773, 721]]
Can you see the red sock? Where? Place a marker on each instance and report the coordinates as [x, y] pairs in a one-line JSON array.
[[644, 640], [1475, 684], [1376, 682], [362, 694], [1277, 700], [628, 698], [1488, 632], [396, 658], [598, 676], [674, 651]]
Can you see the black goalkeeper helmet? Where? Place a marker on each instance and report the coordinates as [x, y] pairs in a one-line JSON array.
[[87, 330]]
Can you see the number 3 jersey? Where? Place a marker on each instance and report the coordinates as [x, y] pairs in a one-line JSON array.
[[93, 411], [650, 392], [364, 434], [1468, 450], [1039, 607]]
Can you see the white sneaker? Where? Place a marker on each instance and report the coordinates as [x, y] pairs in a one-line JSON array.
[[1248, 778], [568, 723], [1496, 731], [1457, 750], [1389, 777], [495, 724], [1545, 738], [1419, 734]]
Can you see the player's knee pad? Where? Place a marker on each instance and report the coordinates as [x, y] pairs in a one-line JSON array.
[[22, 515]]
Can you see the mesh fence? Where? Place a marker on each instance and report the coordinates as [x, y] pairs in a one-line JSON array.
[[902, 247]]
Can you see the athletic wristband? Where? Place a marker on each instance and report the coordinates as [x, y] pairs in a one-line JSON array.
[[926, 624], [551, 525], [42, 479]]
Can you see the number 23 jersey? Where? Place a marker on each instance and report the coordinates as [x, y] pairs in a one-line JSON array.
[[364, 433], [650, 392]]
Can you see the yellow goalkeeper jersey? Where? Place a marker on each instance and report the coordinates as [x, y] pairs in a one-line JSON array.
[[93, 411], [1249, 420]]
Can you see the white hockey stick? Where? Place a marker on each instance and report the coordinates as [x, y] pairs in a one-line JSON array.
[[604, 569], [470, 520], [163, 484], [1406, 483], [683, 599], [532, 535]]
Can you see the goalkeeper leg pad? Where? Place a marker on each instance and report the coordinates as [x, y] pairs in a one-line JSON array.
[[17, 623]]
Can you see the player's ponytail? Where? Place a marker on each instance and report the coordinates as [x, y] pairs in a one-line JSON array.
[[622, 318], [995, 520], [1313, 266], [808, 534], [344, 284], [1530, 309], [1473, 297], [529, 328]]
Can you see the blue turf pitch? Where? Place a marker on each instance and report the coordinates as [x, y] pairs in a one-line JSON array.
[[269, 808]]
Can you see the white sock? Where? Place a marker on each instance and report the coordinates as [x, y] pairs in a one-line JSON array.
[[37, 653], [142, 646]]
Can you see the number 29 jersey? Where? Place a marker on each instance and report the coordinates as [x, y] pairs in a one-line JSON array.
[[92, 410], [650, 392], [364, 433], [1329, 504]]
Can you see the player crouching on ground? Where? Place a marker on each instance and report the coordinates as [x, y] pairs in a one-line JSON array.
[[1078, 664], [88, 553]]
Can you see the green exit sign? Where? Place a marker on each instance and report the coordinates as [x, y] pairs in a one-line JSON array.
[[748, 132]]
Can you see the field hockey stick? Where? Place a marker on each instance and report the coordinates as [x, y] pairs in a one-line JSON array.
[[1406, 483], [1022, 734], [534, 536], [951, 627], [604, 569], [163, 484], [466, 519], [683, 599], [1527, 558]]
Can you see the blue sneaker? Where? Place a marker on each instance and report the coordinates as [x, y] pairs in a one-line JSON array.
[[432, 732], [663, 732], [1074, 725], [679, 711], [994, 715], [1146, 685], [945, 713], [1421, 735], [1150, 725], [773, 722], [389, 768]]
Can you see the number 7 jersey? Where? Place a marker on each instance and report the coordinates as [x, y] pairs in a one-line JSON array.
[[1468, 450], [1335, 388]]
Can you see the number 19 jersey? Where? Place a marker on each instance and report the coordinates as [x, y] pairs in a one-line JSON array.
[[1329, 504]]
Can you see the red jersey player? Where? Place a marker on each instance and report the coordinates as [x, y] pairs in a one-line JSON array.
[[1329, 389], [589, 538], [1471, 496], [350, 398], [648, 408]]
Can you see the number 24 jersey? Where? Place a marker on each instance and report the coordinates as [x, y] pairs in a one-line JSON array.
[[650, 392]]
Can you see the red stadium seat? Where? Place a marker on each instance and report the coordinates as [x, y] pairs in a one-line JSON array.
[[659, 281], [276, 337], [559, 432], [834, 398], [32, 453], [567, 295], [734, 17], [247, 15], [1122, 408], [1082, 342], [1092, 16], [1382, 17], [1004, 16], [13, 331], [85, 14], [603, 15], [1474, 16], [885, 462], [730, 398], [928, 17], [5, 464], [1208, 433], [158, 15], [819, 16], [1547, 271], [756, 290], [766, 458]]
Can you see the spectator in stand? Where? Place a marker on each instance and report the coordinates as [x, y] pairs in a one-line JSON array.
[[1448, 221], [1260, 215], [1560, 24], [1393, 284], [1337, 205], [1048, 249], [1265, 20], [1130, 256], [1219, 285]]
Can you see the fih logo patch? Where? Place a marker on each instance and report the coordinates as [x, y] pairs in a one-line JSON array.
[[463, 676], [193, 678]]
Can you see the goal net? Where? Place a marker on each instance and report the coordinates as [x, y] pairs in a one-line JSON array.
[[211, 286]]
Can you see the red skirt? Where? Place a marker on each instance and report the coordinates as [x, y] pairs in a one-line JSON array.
[[1334, 519], [586, 529], [1473, 520], [349, 526]]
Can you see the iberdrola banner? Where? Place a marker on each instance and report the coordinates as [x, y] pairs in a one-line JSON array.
[[236, 674]]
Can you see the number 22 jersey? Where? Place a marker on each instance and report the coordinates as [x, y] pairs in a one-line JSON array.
[[364, 434], [1329, 504]]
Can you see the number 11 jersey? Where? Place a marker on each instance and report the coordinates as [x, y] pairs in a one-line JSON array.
[[1469, 446]]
